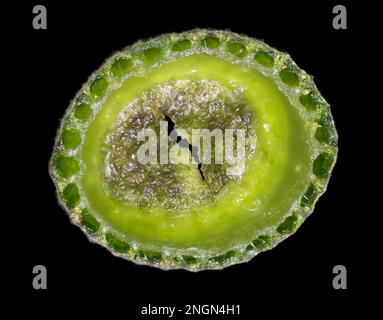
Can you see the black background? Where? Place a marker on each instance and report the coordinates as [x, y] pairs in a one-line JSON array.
[[55, 62]]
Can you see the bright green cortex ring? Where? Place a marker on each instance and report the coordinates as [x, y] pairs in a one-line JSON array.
[[194, 150]]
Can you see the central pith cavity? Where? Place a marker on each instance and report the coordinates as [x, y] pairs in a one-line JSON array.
[[178, 176]]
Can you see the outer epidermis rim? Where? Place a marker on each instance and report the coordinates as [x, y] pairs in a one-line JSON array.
[[145, 219]]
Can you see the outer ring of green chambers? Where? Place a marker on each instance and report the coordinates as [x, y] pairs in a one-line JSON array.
[[67, 168]]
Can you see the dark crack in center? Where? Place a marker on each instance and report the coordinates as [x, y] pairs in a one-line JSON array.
[[183, 143]]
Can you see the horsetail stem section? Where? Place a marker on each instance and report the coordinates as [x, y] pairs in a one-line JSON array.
[[194, 215]]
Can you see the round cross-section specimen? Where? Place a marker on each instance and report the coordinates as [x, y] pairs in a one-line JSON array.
[[195, 150]]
